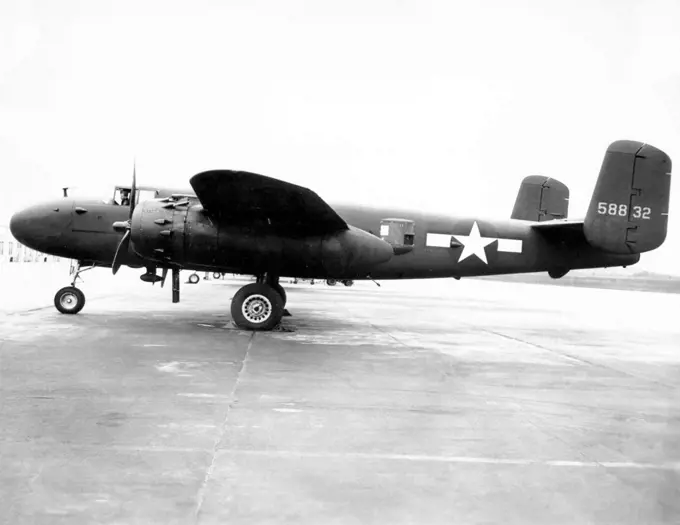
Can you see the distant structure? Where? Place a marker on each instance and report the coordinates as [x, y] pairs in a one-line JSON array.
[[12, 251]]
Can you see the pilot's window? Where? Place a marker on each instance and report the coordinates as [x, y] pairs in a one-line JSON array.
[[408, 239], [121, 196]]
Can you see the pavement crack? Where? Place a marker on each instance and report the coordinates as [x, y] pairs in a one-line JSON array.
[[580, 360], [200, 498]]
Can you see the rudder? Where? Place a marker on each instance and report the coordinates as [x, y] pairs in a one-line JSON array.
[[628, 212]]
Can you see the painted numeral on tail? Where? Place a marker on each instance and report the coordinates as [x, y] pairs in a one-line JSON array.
[[641, 213], [621, 210]]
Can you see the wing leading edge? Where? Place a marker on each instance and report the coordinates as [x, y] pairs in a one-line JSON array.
[[258, 202]]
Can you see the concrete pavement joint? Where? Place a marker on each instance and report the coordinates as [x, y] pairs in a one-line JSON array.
[[580, 360], [211, 468]]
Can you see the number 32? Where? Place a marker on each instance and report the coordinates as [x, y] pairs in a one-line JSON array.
[[641, 213]]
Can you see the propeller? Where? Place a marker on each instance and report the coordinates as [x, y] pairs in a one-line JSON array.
[[133, 193], [123, 247], [124, 226]]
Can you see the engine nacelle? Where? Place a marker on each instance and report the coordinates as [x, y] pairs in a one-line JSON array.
[[181, 233], [353, 251]]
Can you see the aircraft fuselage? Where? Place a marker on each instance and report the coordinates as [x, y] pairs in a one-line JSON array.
[[443, 246]]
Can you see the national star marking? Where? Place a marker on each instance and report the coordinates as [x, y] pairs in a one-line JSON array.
[[474, 244]]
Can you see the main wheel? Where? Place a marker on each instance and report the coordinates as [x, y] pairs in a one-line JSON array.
[[217, 275], [331, 282], [69, 300], [279, 290], [348, 282], [194, 278], [257, 306]]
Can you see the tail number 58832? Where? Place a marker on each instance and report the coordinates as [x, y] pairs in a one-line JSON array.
[[611, 208]]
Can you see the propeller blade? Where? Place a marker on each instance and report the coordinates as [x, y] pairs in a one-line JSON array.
[[163, 276], [133, 192], [123, 247]]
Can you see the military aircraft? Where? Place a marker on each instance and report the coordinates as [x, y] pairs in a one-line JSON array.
[[245, 223]]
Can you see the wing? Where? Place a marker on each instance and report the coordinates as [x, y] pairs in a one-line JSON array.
[[560, 230], [257, 202]]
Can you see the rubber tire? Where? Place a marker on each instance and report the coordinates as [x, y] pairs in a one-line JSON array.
[[331, 282], [80, 298], [194, 278], [279, 290], [217, 275], [348, 282], [257, 289]]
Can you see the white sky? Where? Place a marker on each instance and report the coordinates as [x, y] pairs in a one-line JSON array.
[[443, 105]]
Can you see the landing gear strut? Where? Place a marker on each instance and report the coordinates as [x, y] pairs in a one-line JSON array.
[[70, 300]]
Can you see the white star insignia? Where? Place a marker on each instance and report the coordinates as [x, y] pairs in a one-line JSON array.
[[474, 244]]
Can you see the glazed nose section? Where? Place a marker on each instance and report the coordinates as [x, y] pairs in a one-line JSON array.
[[40, 226]]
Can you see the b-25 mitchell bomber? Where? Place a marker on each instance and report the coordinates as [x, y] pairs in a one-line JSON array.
[[245, 223]]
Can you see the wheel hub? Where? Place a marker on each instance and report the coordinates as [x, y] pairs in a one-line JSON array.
[[68, 301], [257, 308]]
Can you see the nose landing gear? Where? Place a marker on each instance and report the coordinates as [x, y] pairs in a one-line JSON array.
[[71, 300]]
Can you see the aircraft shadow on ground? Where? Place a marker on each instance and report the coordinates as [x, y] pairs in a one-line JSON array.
[[192, 322]]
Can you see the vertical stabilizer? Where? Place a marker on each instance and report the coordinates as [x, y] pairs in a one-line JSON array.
[[628, 212], [541, 199]]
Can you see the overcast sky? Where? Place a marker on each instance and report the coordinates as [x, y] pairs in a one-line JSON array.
[[443, 105]]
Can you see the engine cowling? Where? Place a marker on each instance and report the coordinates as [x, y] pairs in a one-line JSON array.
[[157, 229], [180, 232]]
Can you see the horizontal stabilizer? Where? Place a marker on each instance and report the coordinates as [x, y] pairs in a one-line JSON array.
[[240, 198], [561, 231], [628, 212], [541, 199]]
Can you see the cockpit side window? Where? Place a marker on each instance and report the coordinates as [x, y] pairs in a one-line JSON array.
[[146, 195], [121, 196]]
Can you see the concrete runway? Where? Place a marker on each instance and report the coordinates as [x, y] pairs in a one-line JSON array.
[[418, 402]]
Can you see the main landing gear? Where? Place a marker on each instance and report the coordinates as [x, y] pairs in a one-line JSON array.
[[259, 305], [70, 300]]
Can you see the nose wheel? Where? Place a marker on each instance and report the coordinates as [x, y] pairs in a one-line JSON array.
[[69, 300]]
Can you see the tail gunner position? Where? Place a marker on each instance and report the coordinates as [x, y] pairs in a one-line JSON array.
[[244, 223]]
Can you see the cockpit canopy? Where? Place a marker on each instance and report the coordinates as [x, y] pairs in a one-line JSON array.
[[121, 194]]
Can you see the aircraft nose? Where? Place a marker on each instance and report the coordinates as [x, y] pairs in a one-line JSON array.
[[40, 226]]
